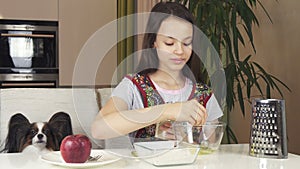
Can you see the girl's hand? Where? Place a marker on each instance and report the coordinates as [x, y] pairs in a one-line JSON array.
[[165, 125], [191, 111], [165, 130]]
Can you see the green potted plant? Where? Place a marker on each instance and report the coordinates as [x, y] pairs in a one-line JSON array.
[[223, 21]]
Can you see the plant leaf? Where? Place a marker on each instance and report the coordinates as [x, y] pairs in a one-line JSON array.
[[248, 88], [281, 83], [266, 81], [268, 91], [241, 100], [266, 12], [265, 74], [231, 134], [256, 80]]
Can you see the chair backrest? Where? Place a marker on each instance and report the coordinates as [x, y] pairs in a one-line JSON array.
[[39, 104], [103, 95]]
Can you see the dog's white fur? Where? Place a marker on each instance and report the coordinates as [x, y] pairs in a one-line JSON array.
[[39, 141], [39, 137]]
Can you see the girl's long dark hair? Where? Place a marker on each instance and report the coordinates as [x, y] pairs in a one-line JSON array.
[[149, 60]]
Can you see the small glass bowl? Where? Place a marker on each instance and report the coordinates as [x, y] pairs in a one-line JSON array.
[[208, 136]]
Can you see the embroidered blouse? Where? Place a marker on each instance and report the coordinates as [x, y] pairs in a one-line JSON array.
[[139, 91]]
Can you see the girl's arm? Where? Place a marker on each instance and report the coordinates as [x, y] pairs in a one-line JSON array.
[[114, 119]]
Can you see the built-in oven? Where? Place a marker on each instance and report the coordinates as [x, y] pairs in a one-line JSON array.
[[28, 53]]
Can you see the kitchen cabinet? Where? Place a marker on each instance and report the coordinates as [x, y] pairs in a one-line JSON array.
[[78, 21], [29, 9]]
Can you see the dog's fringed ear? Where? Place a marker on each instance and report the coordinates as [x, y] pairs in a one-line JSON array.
[[17, 129], [61, 127]]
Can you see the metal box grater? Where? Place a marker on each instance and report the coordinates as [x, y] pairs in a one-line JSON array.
[[268, 129]]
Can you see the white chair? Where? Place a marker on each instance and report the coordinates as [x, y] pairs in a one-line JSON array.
[[39, 104]]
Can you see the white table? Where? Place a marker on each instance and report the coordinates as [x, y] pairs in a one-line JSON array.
[[233, 156]]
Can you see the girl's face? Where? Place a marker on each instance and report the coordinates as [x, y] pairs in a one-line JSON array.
[[174, 44]]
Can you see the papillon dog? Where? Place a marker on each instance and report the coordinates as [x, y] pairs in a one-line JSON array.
[[40, 137]]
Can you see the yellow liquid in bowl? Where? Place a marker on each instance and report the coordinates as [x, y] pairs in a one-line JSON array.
[[205, 151]]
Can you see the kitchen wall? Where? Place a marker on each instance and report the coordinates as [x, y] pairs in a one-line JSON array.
[[277, 48], [78, 21]]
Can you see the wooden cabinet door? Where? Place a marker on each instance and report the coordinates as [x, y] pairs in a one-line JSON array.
[[29, 9]]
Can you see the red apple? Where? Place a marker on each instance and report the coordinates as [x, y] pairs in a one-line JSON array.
[[75, 148]]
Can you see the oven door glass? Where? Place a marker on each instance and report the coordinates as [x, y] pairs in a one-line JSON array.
[[28, 49]]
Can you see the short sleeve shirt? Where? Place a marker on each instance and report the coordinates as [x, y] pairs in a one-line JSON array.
[[128, 91]]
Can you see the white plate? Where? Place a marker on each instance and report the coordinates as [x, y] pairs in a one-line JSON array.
[[55, 158]]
